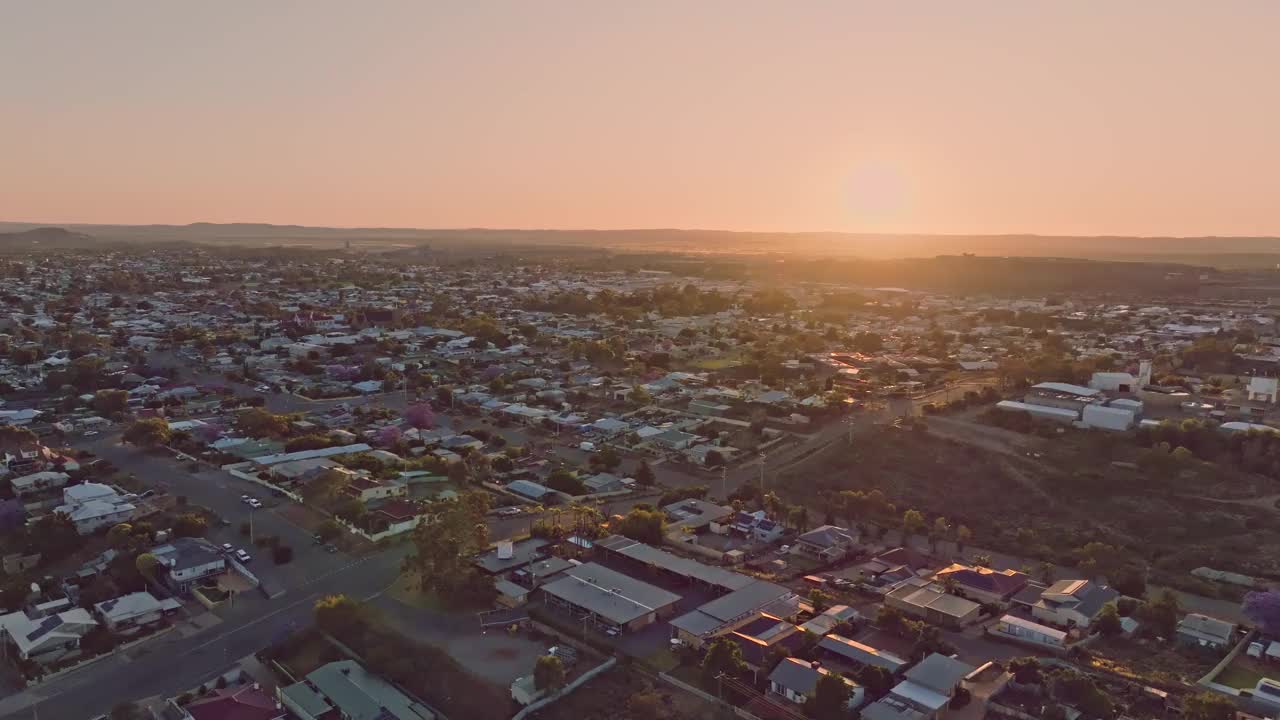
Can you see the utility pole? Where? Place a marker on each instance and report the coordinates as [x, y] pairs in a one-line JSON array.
[[761, 475], [724, 495], [250, 524]]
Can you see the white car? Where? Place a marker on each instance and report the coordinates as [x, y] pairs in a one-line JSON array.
[[254, 503], [91, 433], [243, 556], [508, 511], [245, 499], [263, 389], [226, 548]]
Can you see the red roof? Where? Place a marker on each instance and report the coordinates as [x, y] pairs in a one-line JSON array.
[[243, 703], [399, 510]]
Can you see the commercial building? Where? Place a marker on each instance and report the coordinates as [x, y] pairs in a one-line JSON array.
[[1022, 630], [344, 689], [933, 605], [607, 599]]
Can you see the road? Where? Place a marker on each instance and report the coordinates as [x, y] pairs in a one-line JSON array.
[[172, 663]]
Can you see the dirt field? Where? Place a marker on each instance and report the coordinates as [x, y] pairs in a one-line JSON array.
[[1044, 497]]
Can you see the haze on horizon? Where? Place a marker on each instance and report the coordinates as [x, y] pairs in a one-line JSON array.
[[1150, 117]]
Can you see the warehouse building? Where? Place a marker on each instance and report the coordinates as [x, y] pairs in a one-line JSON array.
[[608, 600]]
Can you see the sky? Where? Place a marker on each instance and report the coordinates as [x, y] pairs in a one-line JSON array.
[[1072, 117]]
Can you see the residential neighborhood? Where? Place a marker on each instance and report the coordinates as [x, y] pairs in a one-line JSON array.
[[241, 488]]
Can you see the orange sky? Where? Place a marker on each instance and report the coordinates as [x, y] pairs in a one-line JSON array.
[[1135, 117]]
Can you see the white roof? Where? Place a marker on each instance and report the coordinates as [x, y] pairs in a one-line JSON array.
[[1066, 388], [921, 695]]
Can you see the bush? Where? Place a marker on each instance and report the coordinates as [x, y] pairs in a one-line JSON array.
[[282, 554]]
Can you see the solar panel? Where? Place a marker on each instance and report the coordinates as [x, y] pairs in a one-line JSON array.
[[44, 627]]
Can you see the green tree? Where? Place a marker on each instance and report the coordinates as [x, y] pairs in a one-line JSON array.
[[644, 475], [261, 423], [148, 432], [328, 530], [912, 522], [963, 536], [190, 525], [111, 402], [1208, 705], [444, 547], [643, 524], [1108, 622], [54, 536], [338, 615], [830, 698], [147, 564], [723, 657], [548, 673]]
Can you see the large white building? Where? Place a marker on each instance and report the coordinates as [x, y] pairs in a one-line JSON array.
[[91, 506]]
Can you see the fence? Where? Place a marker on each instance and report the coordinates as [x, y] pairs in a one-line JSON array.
[[236, 471], [707, 696]]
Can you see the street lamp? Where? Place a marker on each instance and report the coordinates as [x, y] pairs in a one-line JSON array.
[[762, 458]]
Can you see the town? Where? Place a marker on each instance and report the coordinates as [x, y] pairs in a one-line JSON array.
[[241, 485]]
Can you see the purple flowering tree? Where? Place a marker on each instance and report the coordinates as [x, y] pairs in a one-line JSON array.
[[1263, 608]]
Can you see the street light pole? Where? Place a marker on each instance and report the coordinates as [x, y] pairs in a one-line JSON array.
[[762, 475]]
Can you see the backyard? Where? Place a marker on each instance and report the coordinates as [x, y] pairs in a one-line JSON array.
[[1244, 673]]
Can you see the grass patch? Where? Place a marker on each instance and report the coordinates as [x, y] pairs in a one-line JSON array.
[[716, 363], [661, 661], [1151, 661], [1243, 673]]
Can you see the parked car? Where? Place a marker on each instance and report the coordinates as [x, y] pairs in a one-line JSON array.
[[245, 499], [243, 556], [226, 547], [91, 433], [509, 511], [255, 503]]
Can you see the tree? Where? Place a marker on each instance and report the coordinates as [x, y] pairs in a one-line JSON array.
[[120, 536], [877, 680], [314, 441], [643, 524], [963, 536], [548, 673], [644, 475], [1208, 705], [420, 416], [54, 536], [148, 432], [563, 480], [1108, 622], [798, 518], [190, 525], [147, 565], [609, 458], [830, 697], [639, 395], [714, 459], [723, 657], [1263, 608], [110, 402], [912, 523], [444, 546], [338, 615], [328, 530], [1161, 615], [941, 529], [261, 423], [819, 600]]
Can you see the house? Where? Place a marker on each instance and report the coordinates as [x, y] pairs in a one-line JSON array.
[[186, 561], [508, 555], [928, 602], [831, 618], [1072, 603], [46, 638], [603, 483], [345, 689], [796, 680], [1201, 631], [369, 488], [674, 439], [924, 692], [1022, 630], [757, 526], [826, 543], [91, 506], [851, 652], [130, 611], [36, 482], [528, 489], [981, 584], [697, 515], [247, 702]]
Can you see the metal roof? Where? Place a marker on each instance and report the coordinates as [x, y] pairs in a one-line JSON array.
[[609, 594]]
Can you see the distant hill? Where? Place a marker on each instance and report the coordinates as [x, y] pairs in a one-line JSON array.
[[45, 237], [1247, 251]]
